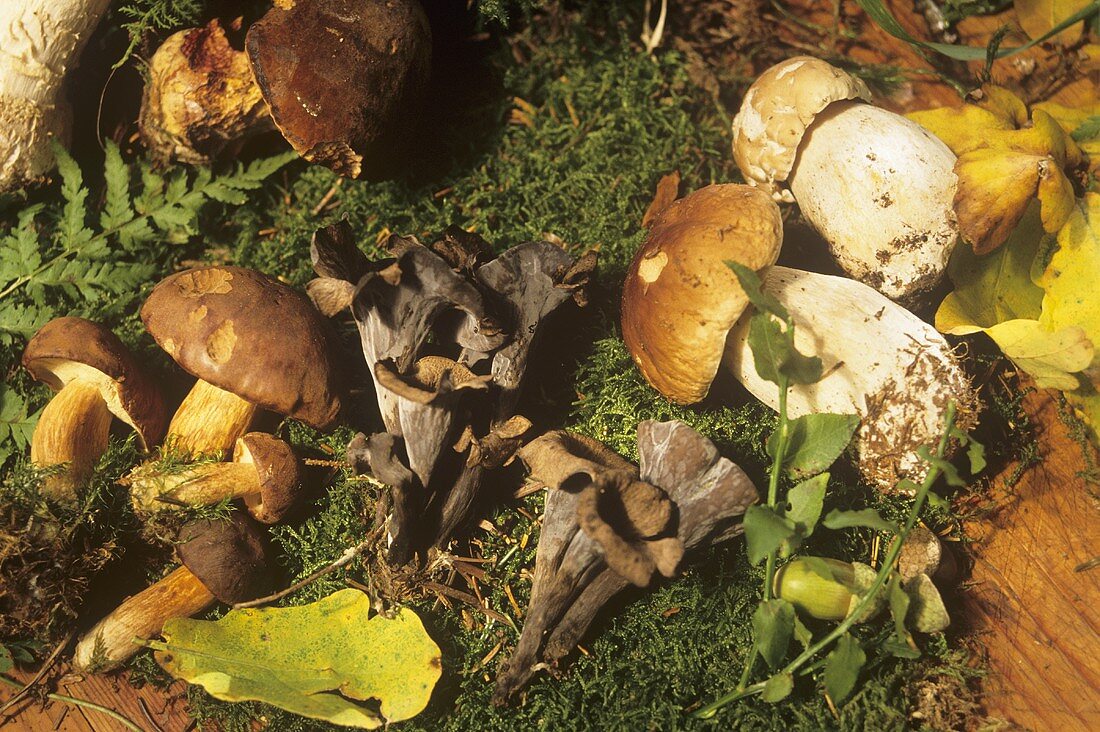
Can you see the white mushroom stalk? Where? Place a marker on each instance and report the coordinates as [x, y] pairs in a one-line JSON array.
[[40, 40], [878, 187], [880, 361]]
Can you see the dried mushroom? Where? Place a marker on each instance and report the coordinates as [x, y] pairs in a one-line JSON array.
[[446, 331], [608, 524]]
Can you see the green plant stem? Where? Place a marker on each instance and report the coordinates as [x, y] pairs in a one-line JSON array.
[[81, 703], [872, 592]]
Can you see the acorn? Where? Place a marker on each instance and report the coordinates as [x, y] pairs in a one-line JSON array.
[[801, 583]]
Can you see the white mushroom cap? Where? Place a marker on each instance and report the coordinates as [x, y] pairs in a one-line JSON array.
[[775, 113]]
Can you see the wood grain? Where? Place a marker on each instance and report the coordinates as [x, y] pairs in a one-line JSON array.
[[1033, 617]]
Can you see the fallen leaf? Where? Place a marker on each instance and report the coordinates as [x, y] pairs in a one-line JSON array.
[[1038, 17], [668, 190], [994, 293], [322, 660]]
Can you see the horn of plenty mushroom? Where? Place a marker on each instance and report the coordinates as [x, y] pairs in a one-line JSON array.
[[446, 332], [608, 524]]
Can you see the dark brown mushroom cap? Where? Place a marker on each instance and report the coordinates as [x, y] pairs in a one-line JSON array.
[[227, 556], [248, 334], [74, 348], [680, 299], [339, 74], [278, 472]]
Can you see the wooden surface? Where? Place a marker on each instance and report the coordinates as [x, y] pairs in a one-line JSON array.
[[1034, 617]]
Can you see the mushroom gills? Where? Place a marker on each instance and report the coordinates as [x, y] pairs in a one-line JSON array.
[[879, 188], [879, 361], [209, 421], [72, 430]]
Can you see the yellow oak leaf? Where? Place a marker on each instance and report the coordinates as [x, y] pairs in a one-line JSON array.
[[1038, 17], [1052, 358], [1081, 123], [961, 128], [327, 660], [1070, 276]]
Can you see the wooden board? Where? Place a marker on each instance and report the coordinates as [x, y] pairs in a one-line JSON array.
[[1035, 619]]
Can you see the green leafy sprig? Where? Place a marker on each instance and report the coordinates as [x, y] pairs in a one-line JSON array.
[[804, 448]]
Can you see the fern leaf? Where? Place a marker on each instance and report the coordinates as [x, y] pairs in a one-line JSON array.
[[72, 229], [117, 210]]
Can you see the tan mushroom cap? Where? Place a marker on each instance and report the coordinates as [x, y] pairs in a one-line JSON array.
[[279, 475], [680, 299], [337, 74], [70, 348], [775, 113], [248, 334]]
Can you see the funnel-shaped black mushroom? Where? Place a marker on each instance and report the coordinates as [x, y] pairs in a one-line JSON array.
[[608, 524], [446, 330]]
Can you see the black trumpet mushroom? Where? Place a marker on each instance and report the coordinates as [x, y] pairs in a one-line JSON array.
[[608, 525], [447, 331]]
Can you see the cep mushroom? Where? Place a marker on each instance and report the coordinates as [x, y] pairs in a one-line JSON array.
[[335, 77], [878, 187], [264, 474], [879, 361], [43, 40], [680, 299], [222, 560], [252, 342], [95, 376]]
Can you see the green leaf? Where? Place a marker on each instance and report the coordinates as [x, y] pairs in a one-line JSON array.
[[772, 626], [899, 608], [802, 634], [866, 517], [815, 441], [881, 15], [950, 472], [320, 660], [117, 209], [1087, 130], [773, 355], [765, 531], [72, 230], [805, 501], [751, 284], [777, 688], [975, 452], [7, 663], [842, 667]]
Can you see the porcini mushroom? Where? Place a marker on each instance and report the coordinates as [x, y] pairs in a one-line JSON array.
[[335, 78], [680, 299], [43, 40], [264, 474], [877, 186], [222, 560], [608, 525], [880, 361], [95, 376], [252, 342]]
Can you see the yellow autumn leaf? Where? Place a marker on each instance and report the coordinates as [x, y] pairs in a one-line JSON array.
[[1052, 358], [1038, 17], [961, 128], [1082, 123], [995, 188], [1070, 279], [1003, 103], [327, 660]]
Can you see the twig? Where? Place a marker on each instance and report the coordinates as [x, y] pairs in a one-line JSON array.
[[124, 721], [148, 716], [41, 672], [339, 562], [652, 37], [327, 197], [469, 599]]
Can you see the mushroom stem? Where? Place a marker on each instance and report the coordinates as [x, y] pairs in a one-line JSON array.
[[209, 421], [42, 41], [195, 485], [72, 430], [142, 616]]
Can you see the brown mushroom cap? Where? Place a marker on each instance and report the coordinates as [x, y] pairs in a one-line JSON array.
[[776, 112], [248, 334], [680, 299], [71, 348], [227, 556], [279, 476], [337, 74]]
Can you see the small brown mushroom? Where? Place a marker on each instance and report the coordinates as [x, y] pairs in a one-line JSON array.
[[264, 474], [336, 78], [608, 525], [252, 342], [222, 560], [95, 376], [680, 300]]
